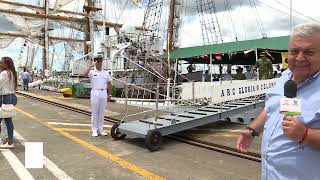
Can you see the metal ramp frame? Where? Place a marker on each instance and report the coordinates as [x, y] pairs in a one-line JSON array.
[[152, 129]]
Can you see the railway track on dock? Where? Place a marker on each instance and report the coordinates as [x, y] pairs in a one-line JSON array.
[[194, 142], [217, 147], [64, 106]]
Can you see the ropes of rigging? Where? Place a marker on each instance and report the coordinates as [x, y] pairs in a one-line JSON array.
[[116, 3], [125, 5], [308, 17], [263, 31], [210, 28], [279, 11], [228, 5], [72, 30], [217, 23], [224, 12], [126, 17], [255, 11], [200, 11], [242, 20], [35, 52]]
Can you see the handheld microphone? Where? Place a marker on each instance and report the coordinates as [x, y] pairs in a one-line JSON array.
[[289, 105]]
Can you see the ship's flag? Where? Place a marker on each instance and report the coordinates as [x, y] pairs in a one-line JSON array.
[[247, 51], [217, 56]]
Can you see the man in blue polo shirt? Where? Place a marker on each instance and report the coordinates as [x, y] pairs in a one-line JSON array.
[[290, 148], [26, 77]]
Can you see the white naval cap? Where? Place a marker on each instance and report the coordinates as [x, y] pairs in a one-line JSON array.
[[98, 57]]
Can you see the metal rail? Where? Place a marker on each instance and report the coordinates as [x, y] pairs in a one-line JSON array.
[[70, 108], [195, 142], [217, 147]]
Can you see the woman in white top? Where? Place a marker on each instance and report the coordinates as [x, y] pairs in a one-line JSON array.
[[8, 86]]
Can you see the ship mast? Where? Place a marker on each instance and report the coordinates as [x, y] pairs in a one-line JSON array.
[[174, 23], [45, 59], [170, 27], [89, 36]]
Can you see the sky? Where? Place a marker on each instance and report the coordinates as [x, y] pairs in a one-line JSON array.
[[237, 19], [273, 15]]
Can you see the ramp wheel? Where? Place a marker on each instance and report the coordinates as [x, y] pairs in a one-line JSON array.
[[153, 140], [116, 135]]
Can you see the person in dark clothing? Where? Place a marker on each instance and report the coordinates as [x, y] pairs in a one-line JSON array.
[[239, 75], [191, 68]]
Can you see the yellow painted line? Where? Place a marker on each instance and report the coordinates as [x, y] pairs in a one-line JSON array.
[[225, 135], [230, 135], [38, 96], [73, 129], [65, 97], [125, 164]]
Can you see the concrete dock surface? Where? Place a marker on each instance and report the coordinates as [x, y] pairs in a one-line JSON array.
[[70, 152]]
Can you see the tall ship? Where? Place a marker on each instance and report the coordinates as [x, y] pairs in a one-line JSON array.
[[140, 42]]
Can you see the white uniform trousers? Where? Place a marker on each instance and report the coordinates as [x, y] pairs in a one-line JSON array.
[[98, 100]]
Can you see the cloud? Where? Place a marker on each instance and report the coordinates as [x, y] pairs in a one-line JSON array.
[[193, 6], [191, 34], [249, 22]]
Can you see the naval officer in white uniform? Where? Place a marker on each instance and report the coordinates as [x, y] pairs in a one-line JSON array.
[[100, 88]]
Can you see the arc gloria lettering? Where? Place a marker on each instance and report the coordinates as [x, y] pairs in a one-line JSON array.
[[246, 89]]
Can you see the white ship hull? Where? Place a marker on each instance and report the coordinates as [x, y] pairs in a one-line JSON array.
[[217, 92]]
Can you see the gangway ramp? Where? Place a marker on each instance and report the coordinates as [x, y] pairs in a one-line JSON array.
[[152, 129]]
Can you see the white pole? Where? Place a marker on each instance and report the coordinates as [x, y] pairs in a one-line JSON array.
[[175, 80], [104, 48], [257, 69], [52, 59], [211, 67], [157, 107], [193, 98], [28, 54], [168, 91]]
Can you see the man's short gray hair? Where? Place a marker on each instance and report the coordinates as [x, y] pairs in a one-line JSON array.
[[306, 29]]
